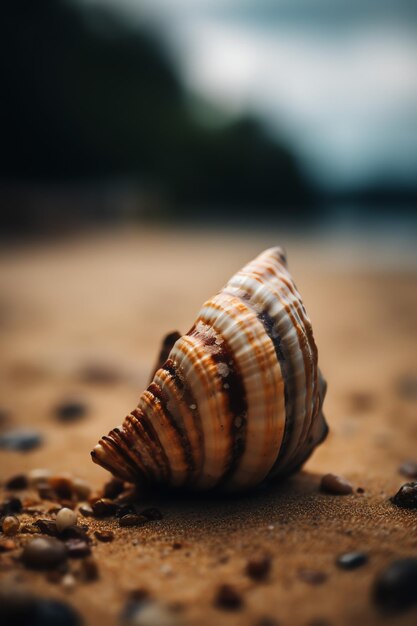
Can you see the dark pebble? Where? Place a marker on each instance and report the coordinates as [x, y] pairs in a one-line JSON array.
[[407, 387], [351, 560], [86, 510], [228, 598], [53, 612], [125, 509], [312, 576], [21, 609], [70, 411], [133, 520], [77, 548], [76, 531], [101, 374], [361, 401], [104, 508], [113, 488], [395, 588], [46, 527], [62, 487], [406, 497], [408, 468], [259, 568], [104, 535], [336, 485], [17, 482], [267, 621], [152, 514], [44, 553], [89, 570], [45, 491], [139, 594], [11, 506], [20, 440]]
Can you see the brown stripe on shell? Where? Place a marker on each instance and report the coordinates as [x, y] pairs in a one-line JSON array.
[[133, 440], [310, 372], [303, 345], [118, 445], [284, 361], [113, 461], [180, 433], [148, 435], [234, 390], [187, 397]]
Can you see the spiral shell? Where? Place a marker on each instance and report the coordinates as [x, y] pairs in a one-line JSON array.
[[238, 398]]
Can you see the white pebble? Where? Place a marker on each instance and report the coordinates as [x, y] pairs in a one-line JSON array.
[[152, 614], [68, 582], [65, 518], [38, 475], [81, 488]]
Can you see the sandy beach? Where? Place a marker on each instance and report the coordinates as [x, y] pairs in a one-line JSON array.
[[107, 300]]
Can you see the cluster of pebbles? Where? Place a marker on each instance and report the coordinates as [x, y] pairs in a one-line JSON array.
[[44, 523]]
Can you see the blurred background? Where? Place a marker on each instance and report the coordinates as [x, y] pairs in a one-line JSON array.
[[301, 113], [148, 150]]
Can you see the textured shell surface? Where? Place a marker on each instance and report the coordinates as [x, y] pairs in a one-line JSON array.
[[235, 400]]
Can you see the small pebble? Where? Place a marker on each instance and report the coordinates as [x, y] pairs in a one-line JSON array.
[[228, 598], [133, 520], [408, 468], [20, 608], [351, 560], [70, 410], [7, 545], [10, 507], [312, 576], [65, 518], [89, 570], [46, 527], [77, 548], [148, 613], [361, 401], [395, 589], [103, 507], [21, 440], [44, 553], [68, 582], [76, 532], [62, 486], [17, 483], [139, 594], [336, 485], [152, 514], [104, 535], [267, 621], [259, 568], [113, 488], [10, 525], [99, 373], [45, 491], [86, 510], [407, 386], [81, 488], [38, 475], [406, 497]]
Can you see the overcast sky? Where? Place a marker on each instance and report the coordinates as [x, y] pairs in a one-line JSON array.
[[337, 77]]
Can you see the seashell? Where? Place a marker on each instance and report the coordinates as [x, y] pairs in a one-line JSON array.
[[235, 400]]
